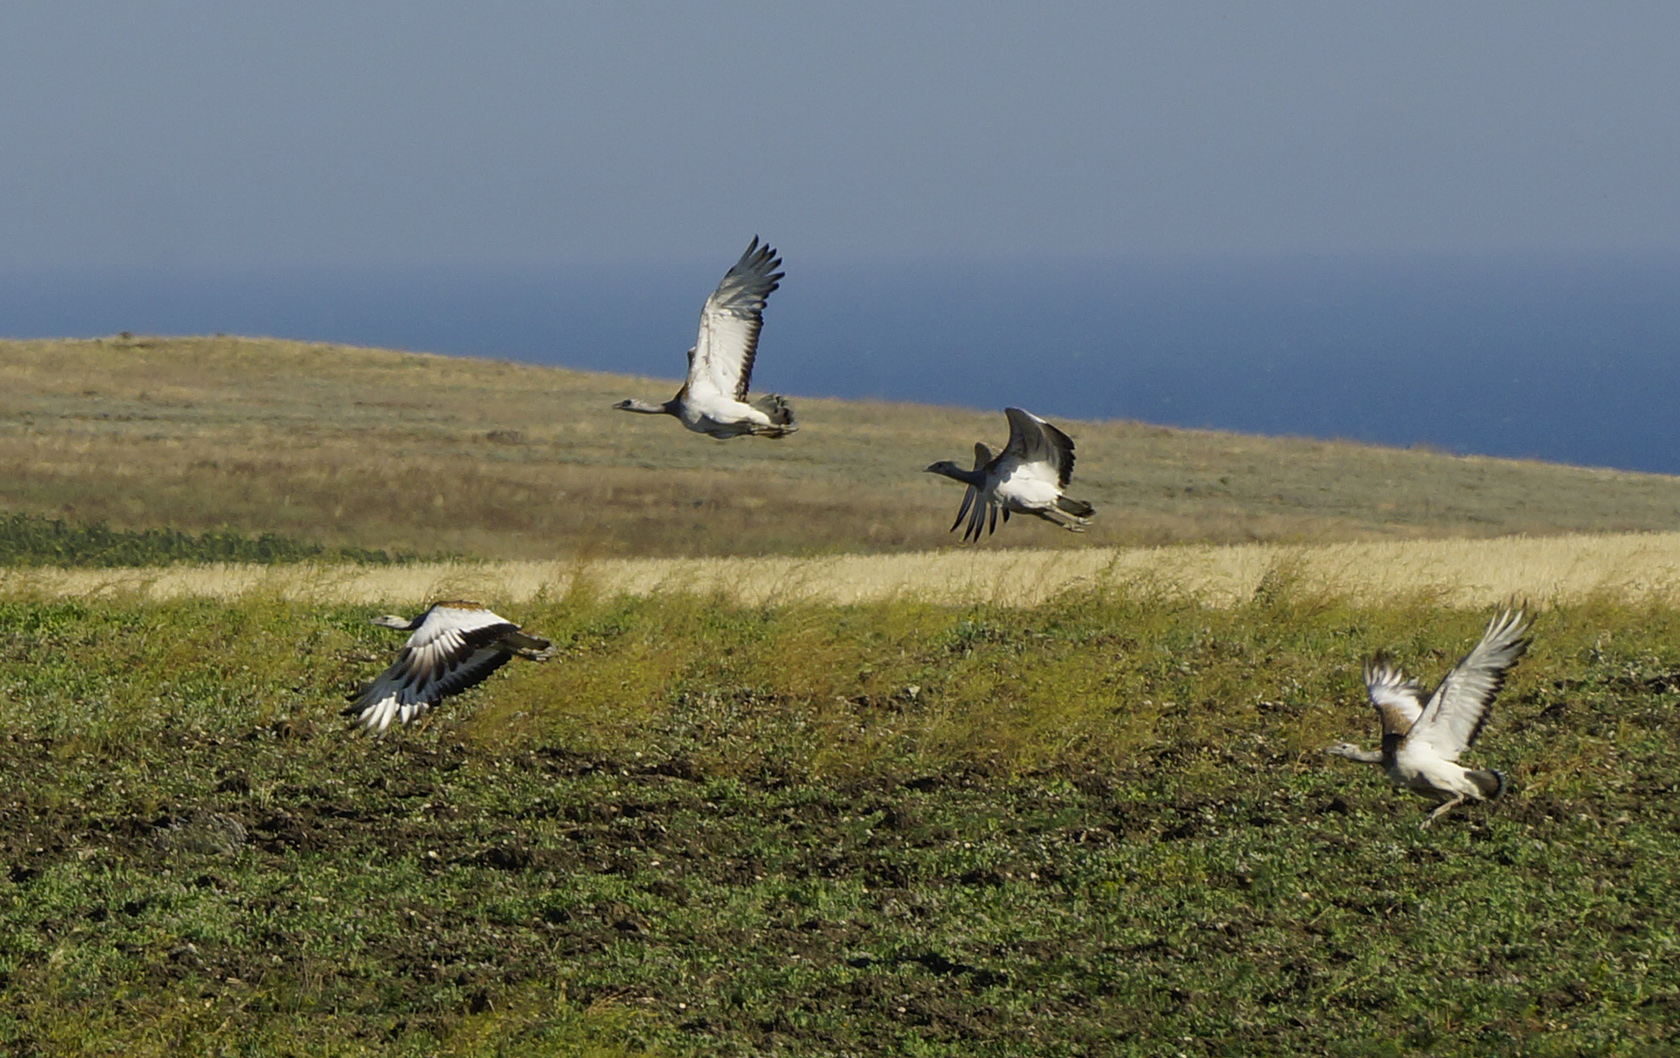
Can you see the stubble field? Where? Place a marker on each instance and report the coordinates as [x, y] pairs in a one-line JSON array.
[[983, 802]]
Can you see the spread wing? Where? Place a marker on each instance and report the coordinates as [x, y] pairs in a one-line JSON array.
[[1032, 440], [721, 361], [1399, 701], [1458, 709], [455, 647]]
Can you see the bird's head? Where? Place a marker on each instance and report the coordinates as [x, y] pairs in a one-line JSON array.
[[946, 467], [632, 404], [391, 620]]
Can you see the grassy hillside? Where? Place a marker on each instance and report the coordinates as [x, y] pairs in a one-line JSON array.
[[1101, 825], [414, 453]]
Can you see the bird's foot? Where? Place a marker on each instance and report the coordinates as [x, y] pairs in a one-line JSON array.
[[1441, 811]]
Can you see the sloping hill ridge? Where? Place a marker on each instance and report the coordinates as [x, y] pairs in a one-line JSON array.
[[411, 451]]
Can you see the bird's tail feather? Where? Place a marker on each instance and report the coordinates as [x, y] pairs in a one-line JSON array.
[[776, 406], [1491, 783], [1077, 508]]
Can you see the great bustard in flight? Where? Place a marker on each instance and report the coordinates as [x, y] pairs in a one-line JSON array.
[[455, 645], [1421, 742], [714, 398], [1028, 478]]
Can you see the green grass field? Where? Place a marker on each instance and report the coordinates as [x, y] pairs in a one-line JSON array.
[[1101, 825]]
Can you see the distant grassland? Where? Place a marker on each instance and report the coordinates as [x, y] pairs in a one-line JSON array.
[[1097, 825], [1463, 573], [414, 453]]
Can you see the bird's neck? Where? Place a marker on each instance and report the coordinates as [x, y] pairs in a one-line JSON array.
[[647, 408], [977, 478]]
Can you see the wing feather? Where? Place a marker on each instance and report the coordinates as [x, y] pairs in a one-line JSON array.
[[1459, 707], [967, 502], [977, 518], [1399, 701], [721, 363], [1033, 440]]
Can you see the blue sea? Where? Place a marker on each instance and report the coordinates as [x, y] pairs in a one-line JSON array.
[[1570, 360]]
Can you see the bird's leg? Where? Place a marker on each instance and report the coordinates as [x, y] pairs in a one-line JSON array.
[[1061, 520], [1074, 523], [1445, 806]]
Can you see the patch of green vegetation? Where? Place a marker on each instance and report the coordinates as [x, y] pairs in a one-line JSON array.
[[33, 540], [1101, 826]]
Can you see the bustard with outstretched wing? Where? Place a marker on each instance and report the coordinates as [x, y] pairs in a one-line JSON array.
[[1422, 741], [454, 646], [1027, 477], [713, 400]]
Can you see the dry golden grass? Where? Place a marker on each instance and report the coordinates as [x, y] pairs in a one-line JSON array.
[[1458, 573], [378, 449]]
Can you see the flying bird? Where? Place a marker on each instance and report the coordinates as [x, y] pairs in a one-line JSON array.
[[714, 398], [455, 645], [1421, 742], [1028, 478]]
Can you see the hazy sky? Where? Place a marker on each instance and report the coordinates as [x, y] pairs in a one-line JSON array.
[[261, 134]]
